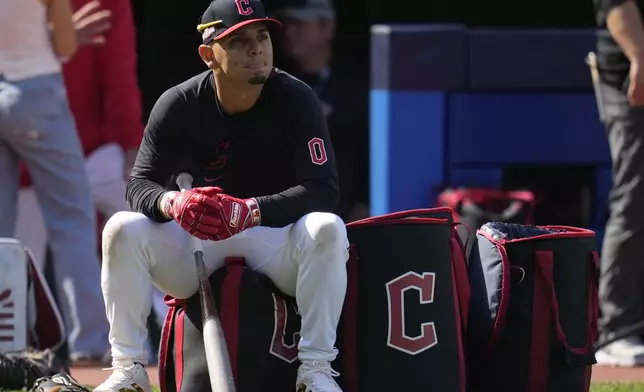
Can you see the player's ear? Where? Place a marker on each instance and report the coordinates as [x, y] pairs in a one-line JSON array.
[[207, 56]]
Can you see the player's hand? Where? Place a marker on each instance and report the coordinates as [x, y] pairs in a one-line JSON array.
[[196, 211], [237, 215], [91, 23]]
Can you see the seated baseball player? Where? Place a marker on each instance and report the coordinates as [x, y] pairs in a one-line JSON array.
[[255, 141]]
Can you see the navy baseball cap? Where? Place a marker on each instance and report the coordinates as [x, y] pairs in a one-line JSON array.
[[222, 17]]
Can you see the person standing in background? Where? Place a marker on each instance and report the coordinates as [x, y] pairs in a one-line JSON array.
[[105, 100], [307, 45], [37, 127], [620, 92]]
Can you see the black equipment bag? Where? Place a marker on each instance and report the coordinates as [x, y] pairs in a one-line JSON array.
[[405, 312], [534, 308], [474, 207], [261, 326]]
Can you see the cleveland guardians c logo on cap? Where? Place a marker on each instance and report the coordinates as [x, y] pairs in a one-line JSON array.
[[243, 7]]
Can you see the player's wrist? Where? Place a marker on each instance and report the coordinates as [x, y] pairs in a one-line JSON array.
[[166, 202], [254, 212]]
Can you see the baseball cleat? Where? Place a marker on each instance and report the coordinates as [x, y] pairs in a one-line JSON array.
[[132, 378], [316, 376], [627, 352]]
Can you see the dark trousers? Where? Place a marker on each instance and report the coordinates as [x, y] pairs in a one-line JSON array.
[[622, 258]]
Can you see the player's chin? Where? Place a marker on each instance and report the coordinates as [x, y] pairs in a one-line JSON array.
[[258, 77]]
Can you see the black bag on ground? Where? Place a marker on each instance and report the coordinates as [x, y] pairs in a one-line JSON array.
[[533, 310], [474, 207], [404, 317], [261, 326]]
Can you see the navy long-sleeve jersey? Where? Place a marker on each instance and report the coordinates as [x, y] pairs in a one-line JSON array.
[[279, 151]]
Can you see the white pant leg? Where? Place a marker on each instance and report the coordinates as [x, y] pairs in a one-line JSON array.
[[322, 250], [306, 259], [105, 171], [30, 226]]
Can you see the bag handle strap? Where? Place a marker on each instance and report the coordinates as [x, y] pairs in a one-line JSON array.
[[168, 325], [467, 239], [545, 264]]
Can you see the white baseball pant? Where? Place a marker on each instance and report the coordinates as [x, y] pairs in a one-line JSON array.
[[306, 260]]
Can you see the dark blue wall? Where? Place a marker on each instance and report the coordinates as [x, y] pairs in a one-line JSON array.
[[453, 106]]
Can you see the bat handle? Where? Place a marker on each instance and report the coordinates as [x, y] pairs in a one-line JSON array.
[[184, 181]]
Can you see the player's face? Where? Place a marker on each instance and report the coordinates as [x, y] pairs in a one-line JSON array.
[[245, 55]]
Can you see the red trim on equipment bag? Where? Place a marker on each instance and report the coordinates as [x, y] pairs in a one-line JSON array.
[[396, 216], [459, 334], [168, 325], [174, 302], [178, 352], [163, 351], [541, 324], [229, 313], [461, 293], [462, 285], [350, 325]]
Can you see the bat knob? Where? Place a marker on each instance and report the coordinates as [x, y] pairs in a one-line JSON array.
[[184, 181]]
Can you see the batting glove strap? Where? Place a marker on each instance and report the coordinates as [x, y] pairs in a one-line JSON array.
[[167, 200], [254, 212]]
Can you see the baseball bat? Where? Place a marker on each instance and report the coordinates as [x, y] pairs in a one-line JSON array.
[[214, 341], [591, 60]]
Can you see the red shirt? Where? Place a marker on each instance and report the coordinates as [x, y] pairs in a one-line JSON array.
[[102, 85]]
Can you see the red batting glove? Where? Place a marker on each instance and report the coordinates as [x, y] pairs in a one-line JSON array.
[[196, 211], [237, 215]]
